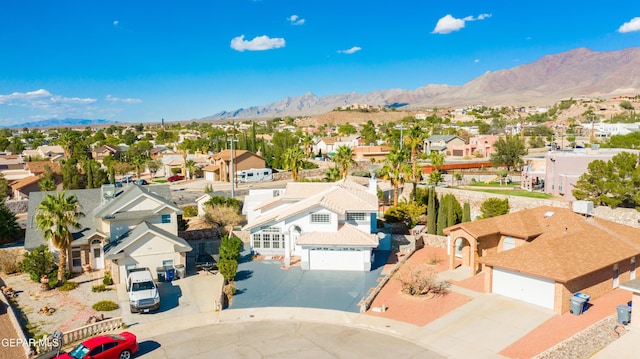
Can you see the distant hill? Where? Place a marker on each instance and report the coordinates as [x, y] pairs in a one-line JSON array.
[[55, 122], [576, 73]]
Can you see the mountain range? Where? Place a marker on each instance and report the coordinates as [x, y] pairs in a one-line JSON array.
[[56, 122], [572, 74]]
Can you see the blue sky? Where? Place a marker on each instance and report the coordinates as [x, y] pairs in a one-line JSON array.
[[139, 61]]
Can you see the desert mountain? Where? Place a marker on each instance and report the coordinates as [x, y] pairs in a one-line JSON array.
[[576, 73]]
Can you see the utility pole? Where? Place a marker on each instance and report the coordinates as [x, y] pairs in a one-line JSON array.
[[232, 175]]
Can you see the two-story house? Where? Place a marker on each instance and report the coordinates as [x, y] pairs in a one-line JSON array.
[[329, 226], [122, 228]]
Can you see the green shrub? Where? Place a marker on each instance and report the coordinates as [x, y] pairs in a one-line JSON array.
[[39, 262], [99, 288], [68, 285], [190, 211], [107, 280], [105, 306]]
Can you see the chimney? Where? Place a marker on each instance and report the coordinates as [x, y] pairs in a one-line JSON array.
[[373, 185]]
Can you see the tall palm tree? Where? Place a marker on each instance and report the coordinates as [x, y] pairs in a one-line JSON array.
[[192, 168], [55, 216], [344, 159], [395, 169], [292, 159], [413, 141], [332, 175], [307, 142], [184, 147]]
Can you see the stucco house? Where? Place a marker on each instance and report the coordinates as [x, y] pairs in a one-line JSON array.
[[122, 228], [443, 144], [546, 254], [100, 153], [329, 226], [242, 160]]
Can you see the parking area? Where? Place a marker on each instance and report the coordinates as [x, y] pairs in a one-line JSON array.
[[191, 295], [264, 283]]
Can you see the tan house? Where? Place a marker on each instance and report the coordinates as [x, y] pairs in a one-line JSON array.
[[221, 166], [443, 144], [547, 254], [101, 152], [22, 188], [369, 153], [122, 228]]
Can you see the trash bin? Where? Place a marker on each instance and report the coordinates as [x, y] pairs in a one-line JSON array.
[[171, 274], [624, 314], [577, 305], [586, 298], [161, 273], [180, 271]]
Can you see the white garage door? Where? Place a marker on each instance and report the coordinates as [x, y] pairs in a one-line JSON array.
[[321, 259], [523, 287], [208, 176]]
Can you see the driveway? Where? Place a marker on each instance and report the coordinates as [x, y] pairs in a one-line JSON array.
[[191, 295], [264, 283]]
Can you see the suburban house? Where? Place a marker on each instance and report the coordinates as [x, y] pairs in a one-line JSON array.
[[533, 172], [329, 226], [545, 255], [442, 144], [478, 147], [101, 152], [221, 166], [122, 228], [371, 153], [45, 152], [564, 168], [22, 188]]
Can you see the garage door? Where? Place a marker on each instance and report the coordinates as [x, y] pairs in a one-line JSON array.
[[321, 259], [524, 287]]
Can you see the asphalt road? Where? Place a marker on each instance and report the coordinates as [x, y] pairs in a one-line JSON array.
[[279, 339]]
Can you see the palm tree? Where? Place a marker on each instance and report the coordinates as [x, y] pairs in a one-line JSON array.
[[292, 159], [192, 168], [55, 216], [344, 159], [307, 142], [184, 147], [333, 174], [394, 169], [413, 142]]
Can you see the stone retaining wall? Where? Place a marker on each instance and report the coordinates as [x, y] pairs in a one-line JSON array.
[[18, 206]]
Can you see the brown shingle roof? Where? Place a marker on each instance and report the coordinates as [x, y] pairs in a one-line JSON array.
[[568, 245], [20, 184], [38, 167]]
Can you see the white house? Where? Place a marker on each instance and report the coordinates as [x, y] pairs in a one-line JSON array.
[[330, 226], [122, 228]]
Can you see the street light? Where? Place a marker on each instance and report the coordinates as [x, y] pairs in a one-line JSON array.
[[231, 169], [401, 128]]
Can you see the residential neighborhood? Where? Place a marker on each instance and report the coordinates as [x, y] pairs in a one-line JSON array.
[[413, 222]]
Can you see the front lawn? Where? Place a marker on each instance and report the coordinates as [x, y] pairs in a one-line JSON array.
[[493, 184], [516, 192]]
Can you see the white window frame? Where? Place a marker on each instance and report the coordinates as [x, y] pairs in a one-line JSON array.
[[323, 218], [356, 216], [74, 258]]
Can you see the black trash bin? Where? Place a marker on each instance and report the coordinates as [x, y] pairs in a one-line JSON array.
[[624, 314], [577, 305], [161, 273]]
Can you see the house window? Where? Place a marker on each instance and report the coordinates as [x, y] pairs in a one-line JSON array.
[[266, 240], [256, 241], [509, 243], [167, 263], [616, 273], [76, 258], [355, 217], [276, 240], [632, 270], [166, 218], [320, 218]]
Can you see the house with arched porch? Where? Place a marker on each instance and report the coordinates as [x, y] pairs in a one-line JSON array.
[[547, 254]]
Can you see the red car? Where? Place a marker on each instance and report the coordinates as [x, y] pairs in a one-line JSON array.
[[175, 178], [109, 346]]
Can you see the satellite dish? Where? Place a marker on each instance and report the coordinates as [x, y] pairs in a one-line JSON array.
[[381, 235]]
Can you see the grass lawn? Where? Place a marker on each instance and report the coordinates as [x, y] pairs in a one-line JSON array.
[[516, 192], [160, 181], [493, 184]]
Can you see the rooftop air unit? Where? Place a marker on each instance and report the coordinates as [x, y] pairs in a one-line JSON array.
[[583, 207]]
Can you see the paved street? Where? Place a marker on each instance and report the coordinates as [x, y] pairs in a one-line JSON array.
[[280, 339]]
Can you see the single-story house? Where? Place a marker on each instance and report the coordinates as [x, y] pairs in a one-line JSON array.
[[546, 254]]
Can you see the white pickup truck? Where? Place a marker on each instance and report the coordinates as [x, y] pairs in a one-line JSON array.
[[143, 292]]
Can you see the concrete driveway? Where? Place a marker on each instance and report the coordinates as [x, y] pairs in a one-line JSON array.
[[191, 295], [482, 327], [265, 284]]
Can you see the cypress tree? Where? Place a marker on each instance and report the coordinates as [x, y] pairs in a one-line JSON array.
[[431, 211], [441, 221], [451, 215], [466, 212]]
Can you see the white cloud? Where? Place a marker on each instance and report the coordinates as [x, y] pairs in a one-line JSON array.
[[123, 100], [630, 26], [259, 43], [448, 23], [476, 60], [115, 22], [40, 98], [295, 20], [350, 51]]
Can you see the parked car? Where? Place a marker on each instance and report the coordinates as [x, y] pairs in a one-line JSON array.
[[142, 182], [118, 184], [127, 179], [175, 178], [206, 262], [109, 346]]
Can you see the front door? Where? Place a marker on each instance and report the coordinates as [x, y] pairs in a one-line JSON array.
[[97, 255]]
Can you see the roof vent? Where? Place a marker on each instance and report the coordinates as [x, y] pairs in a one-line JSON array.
[[548, 214]]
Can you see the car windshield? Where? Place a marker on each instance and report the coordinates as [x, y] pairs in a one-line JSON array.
[[142, 286], [79, 352]]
